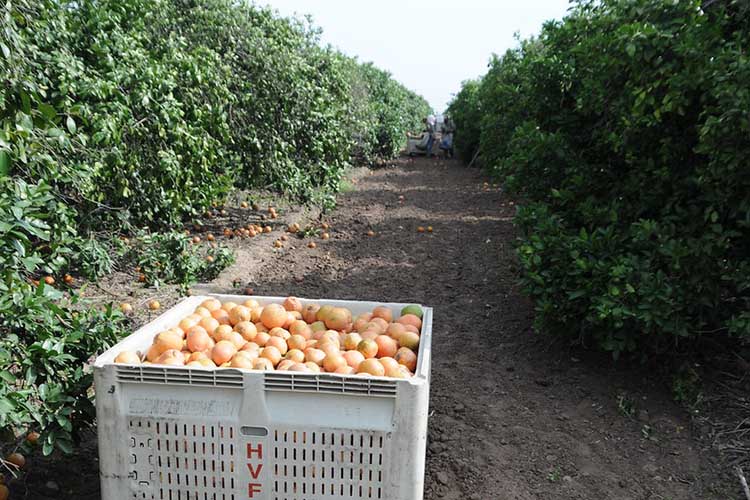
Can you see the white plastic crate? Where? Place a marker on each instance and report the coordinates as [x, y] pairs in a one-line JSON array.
[[178, 433]]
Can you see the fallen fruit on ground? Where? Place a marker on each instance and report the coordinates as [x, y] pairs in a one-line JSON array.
[[154, 305], [16, 459], [288, 336], [126, 308], [32, 437]]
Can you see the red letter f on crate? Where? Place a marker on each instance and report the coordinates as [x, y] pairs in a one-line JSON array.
[[253, 489]]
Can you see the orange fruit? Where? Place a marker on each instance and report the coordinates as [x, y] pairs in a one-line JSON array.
[[49, 280], [279, 332], [296, 342], [410, 319], [228, 306], [371, 367], [382, 324], [324, 226], [325, 236], [429, 229], [32, 437], [126, 308], [223, 351], [406, 357], [279, 343], [361, 321], [395, 330], [389, 364], [420, 229], [210, 324], [68, 279], [261, 338], [272, 354], [314, 355], [188, 322], [251, 304], [221, 331], [338, 318], [285, 364], [168, 340], [311, 245], [313, 367], [295, 355], [262, 364], [410, 340], [222, 316], [197, 356], [333, 362], [239, 314], [370, 233], [171, 357], [387, 347], [196, 239], [243, 359], [274, 315], [154, 305], [384, 313], [128, 358], [292, 304], [368, 348], [351, 341], [211, 304], [299, 327], [246, 329], [309, 313], [278, 244], [202, 312], [198, 339], [344, 370]]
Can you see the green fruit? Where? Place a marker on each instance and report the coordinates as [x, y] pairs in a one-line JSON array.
[[412, 309]]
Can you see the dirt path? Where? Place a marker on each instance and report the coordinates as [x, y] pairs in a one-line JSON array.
[[509, 420], [512, 417]]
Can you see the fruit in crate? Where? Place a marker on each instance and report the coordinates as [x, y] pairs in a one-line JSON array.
[[289, 336]]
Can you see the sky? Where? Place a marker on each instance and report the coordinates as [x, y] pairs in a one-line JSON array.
[[429, 46]]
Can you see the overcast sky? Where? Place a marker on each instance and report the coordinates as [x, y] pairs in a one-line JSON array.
[[395, 34]]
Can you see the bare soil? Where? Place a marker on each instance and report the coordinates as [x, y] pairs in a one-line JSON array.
[[514, 415]]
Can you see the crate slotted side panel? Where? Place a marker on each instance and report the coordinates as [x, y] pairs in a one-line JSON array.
[[328, 464], [173, 460], [175, 433]]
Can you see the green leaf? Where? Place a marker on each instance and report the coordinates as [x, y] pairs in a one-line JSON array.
[[71, 124], [6, 406], [4, 164], [65, 446]]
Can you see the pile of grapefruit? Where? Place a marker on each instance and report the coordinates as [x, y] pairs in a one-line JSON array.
[[289, 337]]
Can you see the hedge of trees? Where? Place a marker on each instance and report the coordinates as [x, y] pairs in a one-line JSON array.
[[625, 130], [123, 114]]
